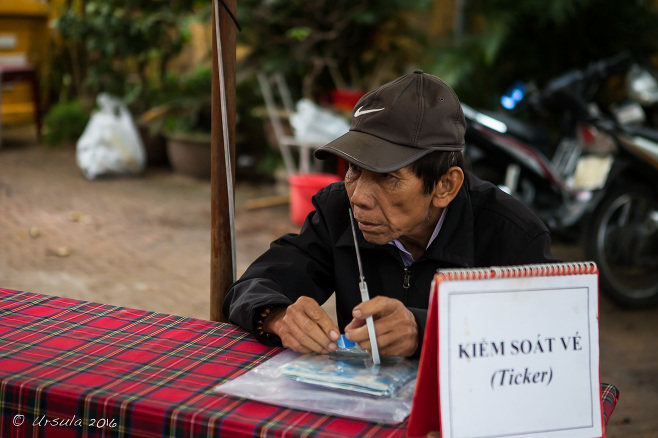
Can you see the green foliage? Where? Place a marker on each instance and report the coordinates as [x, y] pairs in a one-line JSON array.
[[64, 123], [250, 134], [535, 40], [326, 44], [319, 45], [119, 46], [188, 101]]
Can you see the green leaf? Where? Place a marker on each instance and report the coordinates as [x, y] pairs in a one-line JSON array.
[[299, 33]]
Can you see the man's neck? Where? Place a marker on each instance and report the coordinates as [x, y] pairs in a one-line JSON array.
[[416, 245]]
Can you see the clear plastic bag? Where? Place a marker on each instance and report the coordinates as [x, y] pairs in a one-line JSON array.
[[265, 383], [110, 143], [314, 124]]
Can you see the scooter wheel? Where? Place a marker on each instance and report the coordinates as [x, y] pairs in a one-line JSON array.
[[622, 238]]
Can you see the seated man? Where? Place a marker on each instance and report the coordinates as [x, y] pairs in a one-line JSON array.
[[417, 210]]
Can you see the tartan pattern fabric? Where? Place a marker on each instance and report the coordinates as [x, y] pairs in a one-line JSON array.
[[71, 368], [107, 371], [609, 397]]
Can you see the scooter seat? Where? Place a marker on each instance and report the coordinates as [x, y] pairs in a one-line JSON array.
[[534, 135]]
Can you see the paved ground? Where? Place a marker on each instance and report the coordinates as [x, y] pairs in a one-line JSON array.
[[144, 242]]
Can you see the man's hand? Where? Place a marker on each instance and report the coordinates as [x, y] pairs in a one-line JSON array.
[[304, 327], [395, 327]]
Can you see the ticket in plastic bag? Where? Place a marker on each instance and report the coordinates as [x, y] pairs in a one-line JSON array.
[[351, 369]]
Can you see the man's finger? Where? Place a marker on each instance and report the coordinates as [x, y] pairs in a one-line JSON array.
[[359, 333], [297, 339], [320, 317], [374, 307], [307, 324], [395, 327], [355, 323], [391, 345]]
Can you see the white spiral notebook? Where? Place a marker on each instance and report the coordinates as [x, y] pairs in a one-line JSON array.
[[516, 348]]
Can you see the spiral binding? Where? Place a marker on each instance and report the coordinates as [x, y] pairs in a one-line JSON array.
[[532, 270]]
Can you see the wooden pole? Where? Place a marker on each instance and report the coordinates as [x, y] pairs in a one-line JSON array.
[[221, 263]]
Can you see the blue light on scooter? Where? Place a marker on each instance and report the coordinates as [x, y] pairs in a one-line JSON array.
[[507, 102], [513, 95]]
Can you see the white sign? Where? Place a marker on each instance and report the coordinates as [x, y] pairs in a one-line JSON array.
[[519, 357]]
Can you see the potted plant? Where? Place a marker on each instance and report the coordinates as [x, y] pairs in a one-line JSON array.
[[185, 121], [64, 123], [122, 48]]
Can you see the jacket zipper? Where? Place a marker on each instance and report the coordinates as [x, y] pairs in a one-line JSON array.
[[407, 278]]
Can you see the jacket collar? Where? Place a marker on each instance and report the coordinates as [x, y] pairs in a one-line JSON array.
[[454, 244], [456, 241]]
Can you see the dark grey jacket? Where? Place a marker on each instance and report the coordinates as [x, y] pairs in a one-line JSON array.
[[483, 227]]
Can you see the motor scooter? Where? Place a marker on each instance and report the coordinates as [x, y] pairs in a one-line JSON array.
[[590, 178], [640, 106]]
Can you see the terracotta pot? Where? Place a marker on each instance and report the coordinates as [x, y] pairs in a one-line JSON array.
[[189, 154], [155, 146]]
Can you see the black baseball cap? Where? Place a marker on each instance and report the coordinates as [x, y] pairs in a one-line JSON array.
[[399, 122]]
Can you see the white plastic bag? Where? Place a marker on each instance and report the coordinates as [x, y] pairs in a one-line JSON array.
[[110, 143], [314, 124]]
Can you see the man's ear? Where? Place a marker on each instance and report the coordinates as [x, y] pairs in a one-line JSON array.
[[448, 186]]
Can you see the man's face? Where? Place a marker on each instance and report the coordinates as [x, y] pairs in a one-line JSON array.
[[390, 206]]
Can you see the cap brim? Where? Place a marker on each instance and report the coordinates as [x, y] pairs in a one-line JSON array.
[[375, 154]]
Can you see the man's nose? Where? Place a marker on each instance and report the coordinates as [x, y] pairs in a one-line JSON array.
[[362, 195]]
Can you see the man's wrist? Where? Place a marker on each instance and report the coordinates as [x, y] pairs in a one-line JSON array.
[[265, 319]]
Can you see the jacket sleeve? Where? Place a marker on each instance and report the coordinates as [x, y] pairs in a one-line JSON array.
[[537, 250], [294, 265], [421, 321]]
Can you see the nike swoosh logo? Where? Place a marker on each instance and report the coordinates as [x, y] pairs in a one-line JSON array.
[[360, 113]]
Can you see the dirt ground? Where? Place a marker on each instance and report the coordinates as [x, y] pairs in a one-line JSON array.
[[144, 242]]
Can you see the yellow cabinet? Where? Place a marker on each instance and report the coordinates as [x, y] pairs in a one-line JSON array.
[[24, 40]]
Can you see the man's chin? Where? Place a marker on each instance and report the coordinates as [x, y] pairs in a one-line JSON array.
[[377, 239]]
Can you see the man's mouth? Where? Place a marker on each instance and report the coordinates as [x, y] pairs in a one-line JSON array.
[[366, 226]]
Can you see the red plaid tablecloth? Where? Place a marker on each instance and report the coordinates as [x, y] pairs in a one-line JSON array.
[[101, 370], [71, 368]]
